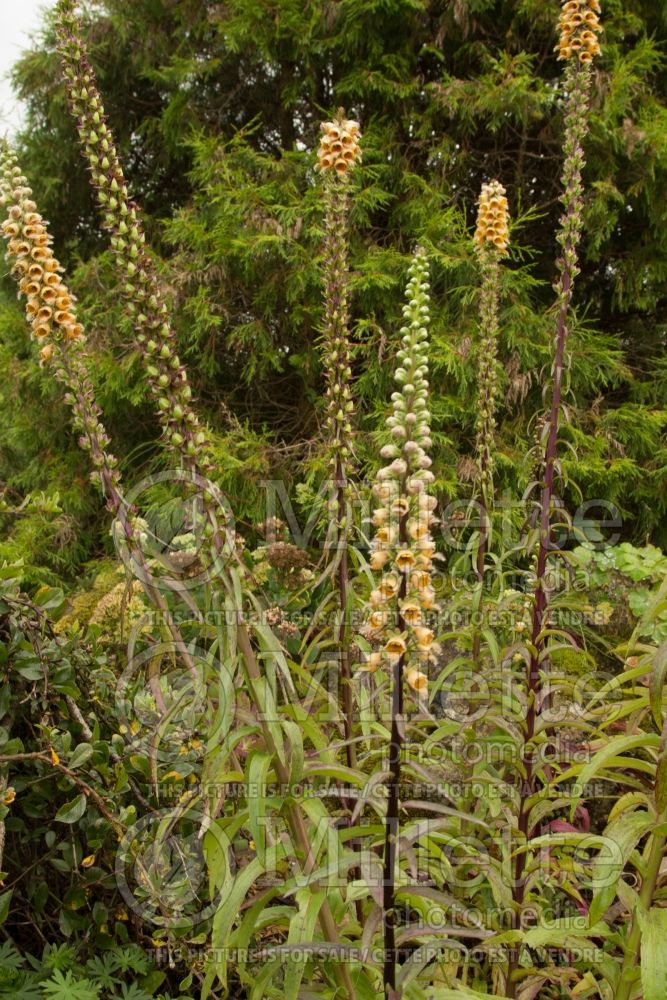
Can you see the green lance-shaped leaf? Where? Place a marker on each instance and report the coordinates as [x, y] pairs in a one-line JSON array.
[[654, 954], [657, 683], [623, 837]]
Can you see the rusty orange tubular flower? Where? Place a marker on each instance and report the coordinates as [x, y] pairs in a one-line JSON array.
[[579, 29]]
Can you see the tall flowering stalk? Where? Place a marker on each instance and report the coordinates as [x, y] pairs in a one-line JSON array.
[[338, 153], [578, 44], [51, 312], [403, 551], [167, 376], [491, 241]]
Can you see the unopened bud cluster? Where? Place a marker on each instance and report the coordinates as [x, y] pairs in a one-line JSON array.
[[339, 146], [492, 219], [49, 305], [166, 374], [572, 219], [579, 29], [403, 548], [335, 341]]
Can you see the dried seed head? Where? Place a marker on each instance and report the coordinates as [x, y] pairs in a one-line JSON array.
[[492, 218], [339, 146], [580, 26]]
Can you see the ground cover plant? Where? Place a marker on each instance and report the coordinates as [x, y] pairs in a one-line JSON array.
[[396, 731]]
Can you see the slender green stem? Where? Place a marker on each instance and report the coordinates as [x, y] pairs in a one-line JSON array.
[[656, 854], [405, 594], [578, 86], [336, 351], [486, 410]]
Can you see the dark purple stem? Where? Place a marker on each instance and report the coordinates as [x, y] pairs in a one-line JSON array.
[[577, 82]]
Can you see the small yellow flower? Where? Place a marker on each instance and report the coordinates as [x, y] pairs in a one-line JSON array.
[[378, 619], [389, 585], [424, 636], [427, 597], [411, 612], [385, 535], [73, 331], [395, 647], [384, 491], [492, 218], [417, 680], [380, 515], [88, 862], [426, 546], [405, 559], [400, 506], [426, 502], [579, 29], [418, 529], [379, 558], [55, 759], [339, 146], [9, 797], [373, 663]]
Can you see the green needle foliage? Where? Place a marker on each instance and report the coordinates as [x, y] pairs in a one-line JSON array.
[[215, 120]]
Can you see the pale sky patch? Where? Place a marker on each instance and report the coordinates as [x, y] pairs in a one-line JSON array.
[[19, 19]]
